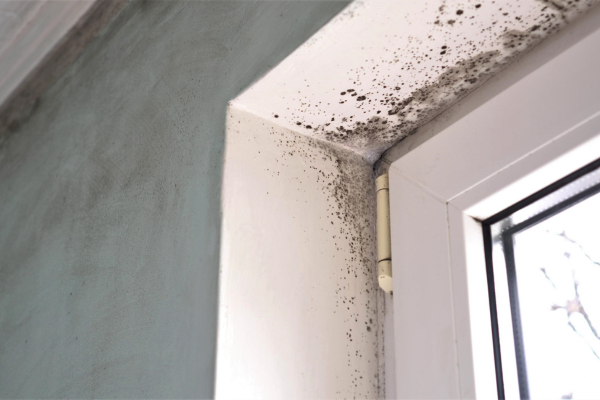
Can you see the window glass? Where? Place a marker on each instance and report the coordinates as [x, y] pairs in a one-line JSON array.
[[558, 275], [546, 264]]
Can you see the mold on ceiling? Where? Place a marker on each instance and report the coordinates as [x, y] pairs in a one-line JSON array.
[[381, 68]]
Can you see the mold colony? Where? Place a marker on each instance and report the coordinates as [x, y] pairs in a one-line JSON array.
[[351, 226], [400, 114], [320, 199], [347, 187], [373, 76], [400, 66]]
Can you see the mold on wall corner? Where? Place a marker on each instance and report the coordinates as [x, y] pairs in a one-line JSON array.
[[370, 79], [310, 209]]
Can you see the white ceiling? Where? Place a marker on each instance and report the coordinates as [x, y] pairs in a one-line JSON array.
[[29, 29], [383, 68]]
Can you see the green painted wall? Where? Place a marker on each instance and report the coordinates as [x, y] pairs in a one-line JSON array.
[[110, 201]]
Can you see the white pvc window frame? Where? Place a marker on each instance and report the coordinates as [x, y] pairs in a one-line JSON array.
[[510, 144]]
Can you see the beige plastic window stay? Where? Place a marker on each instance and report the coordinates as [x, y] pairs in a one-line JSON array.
[[384, 242]]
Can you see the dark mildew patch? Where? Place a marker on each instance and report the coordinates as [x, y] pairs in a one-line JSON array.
[[321, 199], [345, 181], [366, 82], [389, 68], [405, 113], [403, 116]]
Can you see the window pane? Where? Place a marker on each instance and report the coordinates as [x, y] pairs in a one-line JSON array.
[[557, 265]]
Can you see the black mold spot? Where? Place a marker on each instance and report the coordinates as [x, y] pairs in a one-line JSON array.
[[441, 86], [422, 105], [350, 189], [555, 4]]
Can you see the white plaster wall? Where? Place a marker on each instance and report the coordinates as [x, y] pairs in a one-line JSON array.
[[298, 294], [386, 339]]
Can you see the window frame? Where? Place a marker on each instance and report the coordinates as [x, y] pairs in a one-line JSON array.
[[505, 142]]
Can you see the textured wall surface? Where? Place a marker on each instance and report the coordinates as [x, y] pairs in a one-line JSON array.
[[110, 198]]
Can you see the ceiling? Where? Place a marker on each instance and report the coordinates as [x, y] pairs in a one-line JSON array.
[[381, 68]]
